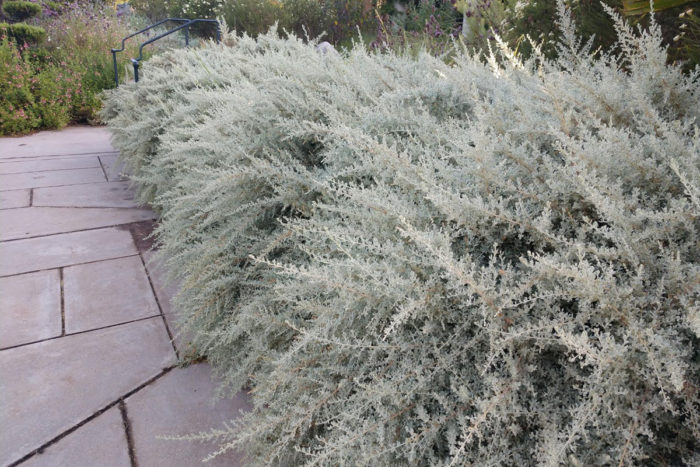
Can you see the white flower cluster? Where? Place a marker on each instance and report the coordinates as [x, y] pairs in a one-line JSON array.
[[416, 263]]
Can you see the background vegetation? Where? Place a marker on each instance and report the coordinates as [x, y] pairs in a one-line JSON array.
[[73, 39], [434, 24], [57, 77]]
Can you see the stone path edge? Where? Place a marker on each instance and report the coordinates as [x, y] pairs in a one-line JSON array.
[[128, 419], [119, 402]]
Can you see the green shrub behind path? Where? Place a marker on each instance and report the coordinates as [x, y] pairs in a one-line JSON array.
[[418, 263], [20, 11]]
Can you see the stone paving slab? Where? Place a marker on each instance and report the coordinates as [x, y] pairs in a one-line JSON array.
[[113, 168], [71, 140], [30, 307], [94, 195], [51, 178], [34, 254], [51, 386], [100, 442], [106, 293], [180, 403], [14, 199], [63, 163], [36, 221]]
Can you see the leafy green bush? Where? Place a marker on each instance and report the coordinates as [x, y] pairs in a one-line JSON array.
[[150, 10], [416, 16], [415, 263], [255, 16], [80, 40], [23, 33], [55, 91], [154, 10], [308, 17], [61, 80], [20, 11], [688, 39], [54, 7], [532, 18], [302, 17], [35, 92], [16, 99], [426, 25], [681, 29]]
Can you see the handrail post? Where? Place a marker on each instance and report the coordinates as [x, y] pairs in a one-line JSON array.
[[218, 32], [187, 35], [136, 69], [116, 72]]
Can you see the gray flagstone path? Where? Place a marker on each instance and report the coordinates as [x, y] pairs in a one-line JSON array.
[[89, 350]]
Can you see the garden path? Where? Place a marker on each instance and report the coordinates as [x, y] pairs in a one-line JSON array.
[[88, 366]]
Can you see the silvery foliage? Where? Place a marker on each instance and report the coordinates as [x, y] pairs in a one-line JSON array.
[[409, 262]]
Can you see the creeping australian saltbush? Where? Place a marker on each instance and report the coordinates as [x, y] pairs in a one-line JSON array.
[[409, 262]]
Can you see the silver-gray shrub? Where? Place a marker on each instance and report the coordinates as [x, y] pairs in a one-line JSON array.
[[414, 262]]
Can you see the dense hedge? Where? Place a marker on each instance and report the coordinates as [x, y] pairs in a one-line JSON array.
[[411, 262], [19, 11], [23, 33]]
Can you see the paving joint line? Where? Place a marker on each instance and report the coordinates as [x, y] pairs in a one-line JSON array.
[[76, 333], [89, 207], [67, 265], [76, 231], [49, 170], [128, 433], [32, 205], [21, 158], [51, 186], [160, 308], [104, 172], [70, 430], [63, 302]]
